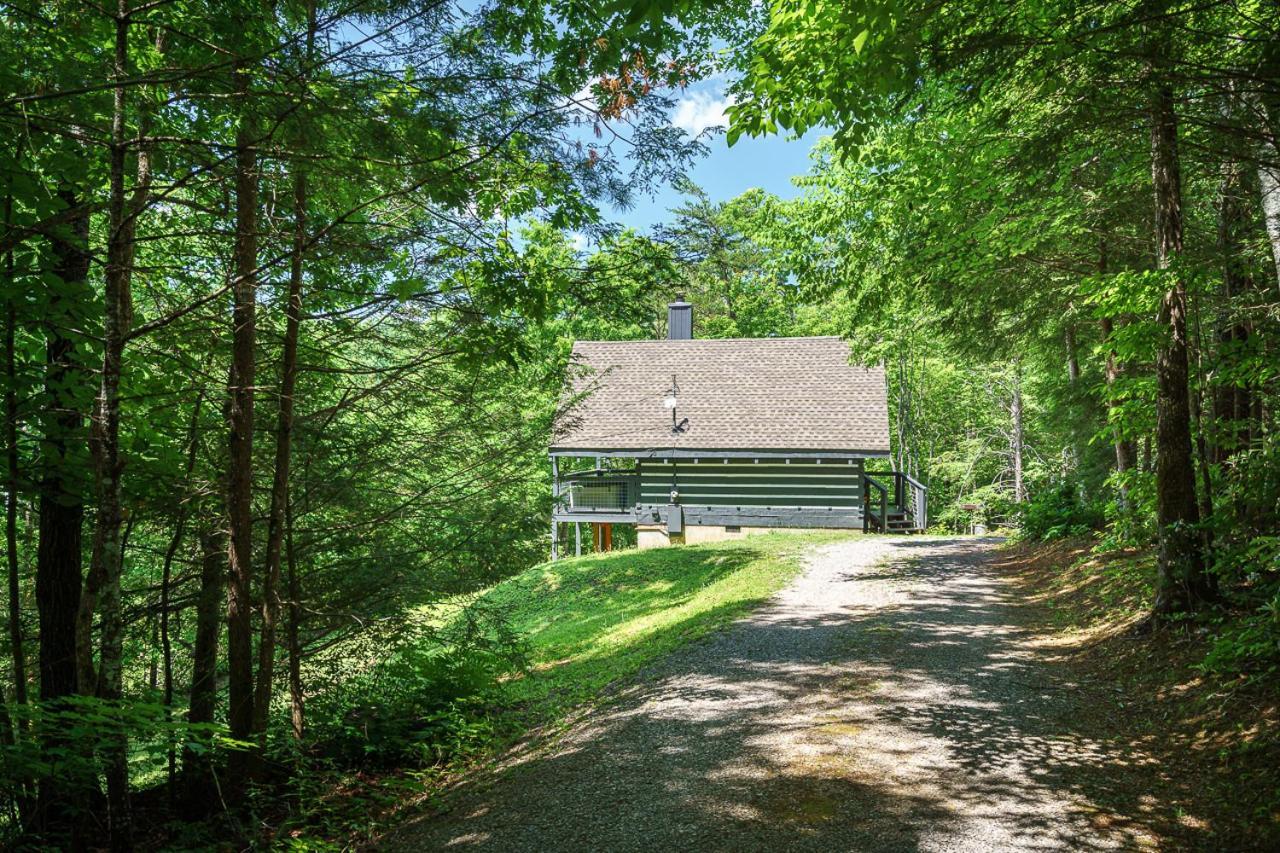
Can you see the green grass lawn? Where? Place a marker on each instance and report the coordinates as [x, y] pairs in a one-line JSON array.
[[589, 621], [583, 623]]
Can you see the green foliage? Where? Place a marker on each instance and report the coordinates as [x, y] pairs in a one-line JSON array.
[[992, 506], [399, 154], [1248, 645], [62, 738], [416, 707], [1130, 513], [1059, 513], [728, 268]]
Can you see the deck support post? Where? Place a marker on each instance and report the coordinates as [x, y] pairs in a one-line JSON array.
[[555, 503], [602, 536]]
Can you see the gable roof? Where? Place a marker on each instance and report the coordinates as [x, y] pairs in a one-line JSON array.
[[740, 394]]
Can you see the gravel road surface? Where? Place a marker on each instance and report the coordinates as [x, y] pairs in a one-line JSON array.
[[891, 698]]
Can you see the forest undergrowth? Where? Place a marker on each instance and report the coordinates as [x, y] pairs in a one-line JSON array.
[[1214, 732]]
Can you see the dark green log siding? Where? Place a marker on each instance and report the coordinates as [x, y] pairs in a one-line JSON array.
[[744, 482]]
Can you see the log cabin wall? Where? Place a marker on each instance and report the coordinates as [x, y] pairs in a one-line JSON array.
[[799, 482]]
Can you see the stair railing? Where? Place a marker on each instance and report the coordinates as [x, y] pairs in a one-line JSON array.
[[909, 496], [919, 501], [869, 518]]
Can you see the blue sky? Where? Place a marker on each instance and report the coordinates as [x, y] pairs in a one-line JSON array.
[[768, 162]]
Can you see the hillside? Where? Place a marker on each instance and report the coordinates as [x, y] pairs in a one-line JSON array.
[[467, 677]]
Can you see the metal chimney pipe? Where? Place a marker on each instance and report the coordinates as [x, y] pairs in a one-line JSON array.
[[679, 320]]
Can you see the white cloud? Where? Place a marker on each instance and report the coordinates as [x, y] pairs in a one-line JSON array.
[[585, 96], [579, 241], [697, 111], [581, 102]]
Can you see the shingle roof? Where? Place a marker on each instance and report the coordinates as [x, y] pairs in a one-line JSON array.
[[738, 394]]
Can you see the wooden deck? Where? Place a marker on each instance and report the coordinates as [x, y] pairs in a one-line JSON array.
[[725, 494]]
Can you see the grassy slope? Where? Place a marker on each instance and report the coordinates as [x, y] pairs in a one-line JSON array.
[[1215, 781], [593, 620]]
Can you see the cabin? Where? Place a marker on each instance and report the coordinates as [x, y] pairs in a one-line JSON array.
[[695, 440]]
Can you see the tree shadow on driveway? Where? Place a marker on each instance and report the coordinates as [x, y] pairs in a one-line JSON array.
[[890, 699]]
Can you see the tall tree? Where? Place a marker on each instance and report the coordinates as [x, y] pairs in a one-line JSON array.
[[58, 555], [240, 402], [284, 417], [199, 787], [12, 466], [1182, 581]]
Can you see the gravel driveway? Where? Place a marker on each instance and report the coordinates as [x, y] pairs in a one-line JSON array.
[[891, 698]]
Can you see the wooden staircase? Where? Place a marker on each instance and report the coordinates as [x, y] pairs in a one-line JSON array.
[[894, 502], [902, 521]]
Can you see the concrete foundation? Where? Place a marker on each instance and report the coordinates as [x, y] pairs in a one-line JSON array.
[[655, 536]]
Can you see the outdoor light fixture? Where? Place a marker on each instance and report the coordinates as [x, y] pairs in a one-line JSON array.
[[671, 401]]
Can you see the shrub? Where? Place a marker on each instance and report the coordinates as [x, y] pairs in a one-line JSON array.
[[1058, 512], [994, 508], [1249, 574], [1131, 520], [412, 708], [420, 704], [1249, 646], [64, 741]]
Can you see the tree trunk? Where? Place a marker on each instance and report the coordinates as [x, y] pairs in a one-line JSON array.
[[103, 587], [1205, 493], [1264, 105], [297, 717], [58, 552], [12, 470], [281, 518], [1269, 186], [199, 787], [1182, 582], [284, 449], [1232, 404], [1073, 360], [12, 480], [240, 393], [1072, 451], [58, 556], [904, 408], [1126, 454], [166, 575], [1016, 436], [8, 733], [166, 656]]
